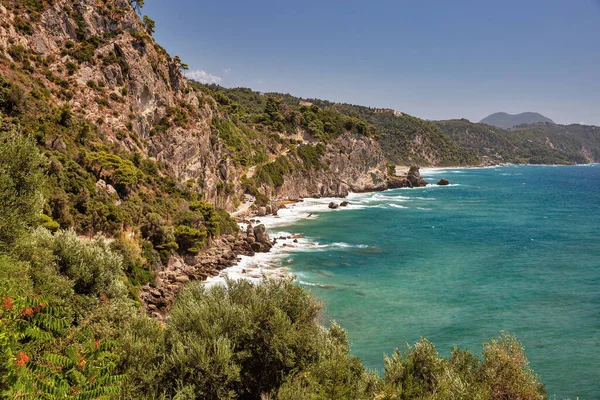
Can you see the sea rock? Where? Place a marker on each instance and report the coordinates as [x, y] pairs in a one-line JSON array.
[[443, 182], [414, 177], [344, 204], [333, 205], [261, 234]]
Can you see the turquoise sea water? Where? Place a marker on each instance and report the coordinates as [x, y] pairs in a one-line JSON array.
[[513, 248]]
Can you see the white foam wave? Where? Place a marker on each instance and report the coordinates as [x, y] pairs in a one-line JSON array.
[[396, 206]]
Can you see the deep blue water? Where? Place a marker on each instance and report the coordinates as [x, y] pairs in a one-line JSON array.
[[507, 249]]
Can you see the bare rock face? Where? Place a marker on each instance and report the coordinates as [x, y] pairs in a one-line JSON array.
[[412, 179], [355, 163], [103, 187], [261, 234], [443, 182]]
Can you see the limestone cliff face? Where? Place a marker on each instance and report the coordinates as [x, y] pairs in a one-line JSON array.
[[111, 72], [354, 163]]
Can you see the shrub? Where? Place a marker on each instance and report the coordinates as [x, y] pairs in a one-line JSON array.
[[230, 342], [12, 97], [505, 370], [92, 266], [189, 238], [156, 231], [21, 184], [48, 223]]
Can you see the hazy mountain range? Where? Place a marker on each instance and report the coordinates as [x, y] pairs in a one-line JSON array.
[[507, 121]]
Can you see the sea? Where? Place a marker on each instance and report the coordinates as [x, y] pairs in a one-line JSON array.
[[511, 248]]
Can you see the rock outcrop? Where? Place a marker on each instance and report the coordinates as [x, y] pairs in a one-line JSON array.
[[222, 253], [98, 60], [443, 182], [412, 179], [355, 163]]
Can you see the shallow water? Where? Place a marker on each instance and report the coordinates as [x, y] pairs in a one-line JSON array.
[[513, 248]]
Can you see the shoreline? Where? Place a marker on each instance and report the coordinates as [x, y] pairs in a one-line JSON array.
[[273, 263]]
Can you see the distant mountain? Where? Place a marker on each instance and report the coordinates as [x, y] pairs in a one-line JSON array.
[[507, 121], [540, 143]]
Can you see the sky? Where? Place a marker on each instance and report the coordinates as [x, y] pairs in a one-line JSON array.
[[432, 59]]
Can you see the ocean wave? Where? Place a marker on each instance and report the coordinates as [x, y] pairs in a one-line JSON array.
[[390, 198], [396, 206], [347, 245]]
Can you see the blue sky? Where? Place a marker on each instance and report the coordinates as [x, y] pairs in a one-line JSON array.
[[433, 59]]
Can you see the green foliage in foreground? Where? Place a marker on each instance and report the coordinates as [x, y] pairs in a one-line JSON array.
[[69, 328], [21, 182], [244, 341]]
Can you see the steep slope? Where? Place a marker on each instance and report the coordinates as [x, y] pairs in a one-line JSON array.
[[404, 139], [153, 161], [535, 144], [507, 121]]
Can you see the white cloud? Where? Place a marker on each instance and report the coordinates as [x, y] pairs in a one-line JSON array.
[[227, 71], [203, 76]]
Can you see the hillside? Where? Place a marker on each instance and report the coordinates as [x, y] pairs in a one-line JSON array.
[[527, 144], [116, 178], [507, 121], [404, 139]]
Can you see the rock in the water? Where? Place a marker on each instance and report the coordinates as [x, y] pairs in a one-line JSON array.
[[344, 204], [414, 177], [443, 182], [333, 205], [260, 232]]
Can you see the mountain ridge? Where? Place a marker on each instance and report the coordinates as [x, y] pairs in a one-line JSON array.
[[507, 121]]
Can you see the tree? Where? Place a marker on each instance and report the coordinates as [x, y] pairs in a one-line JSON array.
[[149, 24], [22, 180], [180, 64]]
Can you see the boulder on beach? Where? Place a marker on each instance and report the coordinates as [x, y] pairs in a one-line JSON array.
[[333, 205], [260, 232], [443, 182]]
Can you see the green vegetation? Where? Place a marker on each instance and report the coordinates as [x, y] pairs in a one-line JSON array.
[[94, 186], [403, 138], [534, 144], [86, 219], [71, 326]]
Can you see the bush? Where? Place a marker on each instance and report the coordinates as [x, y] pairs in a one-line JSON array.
[[217, 221], [156, 231], [231, 342], [92, 266], [189, 238], [21, 184], [12, 97]]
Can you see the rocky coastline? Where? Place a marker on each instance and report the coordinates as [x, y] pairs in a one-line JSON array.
[[222, 253], [225, 251]]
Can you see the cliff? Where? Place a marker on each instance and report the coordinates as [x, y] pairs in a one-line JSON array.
[[103, 63], [153, 161]]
